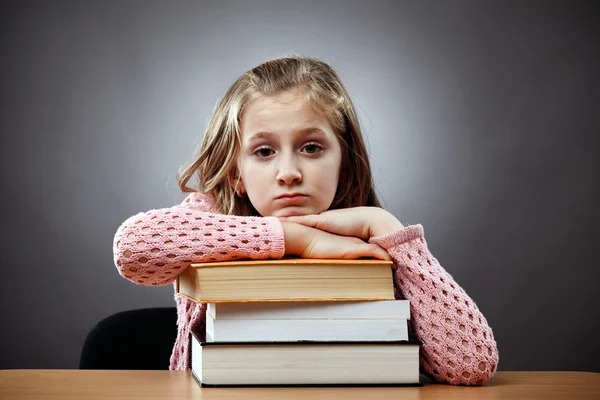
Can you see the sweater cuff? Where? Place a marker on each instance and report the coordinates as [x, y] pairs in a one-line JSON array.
[[407, 234], [277, 245]]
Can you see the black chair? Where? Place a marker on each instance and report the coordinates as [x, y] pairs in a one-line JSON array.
[[135, 339]]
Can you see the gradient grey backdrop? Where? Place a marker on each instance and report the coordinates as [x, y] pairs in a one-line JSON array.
[[482, 121]]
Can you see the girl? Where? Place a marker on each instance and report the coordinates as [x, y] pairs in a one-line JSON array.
[[284, 170]]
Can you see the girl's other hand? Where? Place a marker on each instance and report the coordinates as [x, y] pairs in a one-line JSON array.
[[307, 242], [360, 222]]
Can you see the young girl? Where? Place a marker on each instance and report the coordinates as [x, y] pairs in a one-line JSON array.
[[284, 170]]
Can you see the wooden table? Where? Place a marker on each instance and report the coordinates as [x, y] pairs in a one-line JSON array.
[[88, 384]]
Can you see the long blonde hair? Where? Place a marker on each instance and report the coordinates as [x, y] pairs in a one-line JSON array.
[[321, 86]]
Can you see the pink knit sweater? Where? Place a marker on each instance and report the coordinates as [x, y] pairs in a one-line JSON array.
[[152, 248]]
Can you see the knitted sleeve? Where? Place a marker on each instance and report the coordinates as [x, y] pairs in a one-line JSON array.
[[458, 345], [153, 247]]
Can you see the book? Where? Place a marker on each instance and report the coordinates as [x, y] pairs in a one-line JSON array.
[[384, 320], [285, 330], [304, 363], [294, 279], [379, 309]]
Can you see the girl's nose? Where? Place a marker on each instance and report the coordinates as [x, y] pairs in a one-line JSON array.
[[289, 173]]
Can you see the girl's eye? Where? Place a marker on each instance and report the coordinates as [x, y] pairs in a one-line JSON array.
[[313, 148], [264, 152]]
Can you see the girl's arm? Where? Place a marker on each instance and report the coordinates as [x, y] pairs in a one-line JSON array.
[[153, 247], [458, 345]]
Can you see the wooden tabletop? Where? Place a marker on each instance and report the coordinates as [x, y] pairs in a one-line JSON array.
[[99, 384]]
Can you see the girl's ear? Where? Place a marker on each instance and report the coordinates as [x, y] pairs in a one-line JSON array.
[[237, 184]]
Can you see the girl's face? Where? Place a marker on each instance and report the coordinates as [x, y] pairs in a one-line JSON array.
[[290, 158]]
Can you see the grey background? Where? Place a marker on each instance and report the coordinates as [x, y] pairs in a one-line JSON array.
[[482, 121]]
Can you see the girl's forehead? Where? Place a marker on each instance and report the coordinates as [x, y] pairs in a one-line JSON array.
[[287, 111], [291, 100]]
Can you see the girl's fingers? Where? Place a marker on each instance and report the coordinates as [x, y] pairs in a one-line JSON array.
[[306, 220], [321, 222], [381, 253], [372, 250], [318, 222]]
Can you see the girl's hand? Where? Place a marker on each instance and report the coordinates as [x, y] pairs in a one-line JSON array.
[[307, 242], [360, 222]]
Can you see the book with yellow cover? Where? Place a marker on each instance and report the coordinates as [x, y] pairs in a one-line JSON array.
[[289, 279]]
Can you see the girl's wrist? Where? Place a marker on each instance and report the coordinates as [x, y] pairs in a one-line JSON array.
[[386, 224], [293, 238]]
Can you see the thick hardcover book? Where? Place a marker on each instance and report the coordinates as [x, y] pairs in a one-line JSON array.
[[305, 363], [294, 279]]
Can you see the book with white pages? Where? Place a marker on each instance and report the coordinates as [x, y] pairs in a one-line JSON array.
[[304, 363], [285, 330], [379, 309]]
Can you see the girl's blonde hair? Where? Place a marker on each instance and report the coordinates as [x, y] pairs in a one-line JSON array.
[[321, 86]]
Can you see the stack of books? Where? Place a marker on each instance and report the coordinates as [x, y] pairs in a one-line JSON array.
[[300, 322]]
